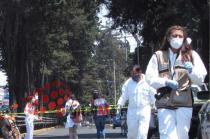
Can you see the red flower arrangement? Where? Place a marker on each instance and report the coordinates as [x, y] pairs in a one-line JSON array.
[[47, 86], [60, 101], [66, 97], [14, 106], [54, 94], [42, 110], [45, 99], [55, 83], [51, 105], [61, 92]]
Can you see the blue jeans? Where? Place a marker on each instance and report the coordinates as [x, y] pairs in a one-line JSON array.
[[100, 122]]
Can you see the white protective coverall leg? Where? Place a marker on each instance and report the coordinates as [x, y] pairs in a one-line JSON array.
[[140, 97], [138, 124], [174, 124], [29, 128]]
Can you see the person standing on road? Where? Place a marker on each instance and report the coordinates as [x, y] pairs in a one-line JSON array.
[[101, 112], [72, 108], [31, 115], [172, 70], [140, 98]]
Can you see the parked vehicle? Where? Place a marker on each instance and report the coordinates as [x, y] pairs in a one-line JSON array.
[[204, 116], [200, 97], [124, 127], [116, 121], [120, 120]]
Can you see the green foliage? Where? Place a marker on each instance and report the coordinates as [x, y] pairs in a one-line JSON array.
[[150, 18], [109, 55], [46, 40]]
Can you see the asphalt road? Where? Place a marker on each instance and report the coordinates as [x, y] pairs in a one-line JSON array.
[[83, 132]]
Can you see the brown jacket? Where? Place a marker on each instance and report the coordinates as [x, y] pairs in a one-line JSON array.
[[183, 96]]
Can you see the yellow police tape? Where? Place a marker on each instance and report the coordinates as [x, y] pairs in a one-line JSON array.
[[83, 109]]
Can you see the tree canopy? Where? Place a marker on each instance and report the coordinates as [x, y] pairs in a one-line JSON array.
[[48, 43], [151, 18]]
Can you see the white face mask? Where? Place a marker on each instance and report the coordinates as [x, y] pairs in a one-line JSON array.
[[36, 97], [176, 43]]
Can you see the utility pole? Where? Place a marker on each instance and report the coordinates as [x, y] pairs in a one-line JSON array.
[[126, 50], [137, 54], [115, 90]]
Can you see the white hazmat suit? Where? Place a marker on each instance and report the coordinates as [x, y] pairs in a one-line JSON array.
[[140, 97], [174, 123]]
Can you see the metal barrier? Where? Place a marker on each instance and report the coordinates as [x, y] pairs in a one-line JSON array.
[[20, 121], [47, 121]]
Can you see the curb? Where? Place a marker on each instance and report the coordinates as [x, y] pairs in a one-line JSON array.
[[38, 131]]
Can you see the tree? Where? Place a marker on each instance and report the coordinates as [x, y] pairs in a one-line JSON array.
[[151, 18], [44, 40], [109, 57]]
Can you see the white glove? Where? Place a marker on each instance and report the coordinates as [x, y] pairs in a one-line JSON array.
[[118, 110]]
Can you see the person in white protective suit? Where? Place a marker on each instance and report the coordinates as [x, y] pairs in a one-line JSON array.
[[171, 70], [31, 115], [140, 97]]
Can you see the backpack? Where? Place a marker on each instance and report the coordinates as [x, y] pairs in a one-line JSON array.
[[75, 113], [101, 107]]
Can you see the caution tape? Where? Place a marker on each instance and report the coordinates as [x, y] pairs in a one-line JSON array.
[[83, 109]]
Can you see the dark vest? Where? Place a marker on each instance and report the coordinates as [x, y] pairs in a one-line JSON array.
[[183, 96]]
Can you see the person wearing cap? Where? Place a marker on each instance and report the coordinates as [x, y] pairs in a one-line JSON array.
[[172, 70], [140, 97], [31, 115], [101, 111], [72, 107]]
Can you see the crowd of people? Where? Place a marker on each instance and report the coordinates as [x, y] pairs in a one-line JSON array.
[[165, 87]]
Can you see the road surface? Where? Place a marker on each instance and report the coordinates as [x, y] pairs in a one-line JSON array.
[[83, 132]]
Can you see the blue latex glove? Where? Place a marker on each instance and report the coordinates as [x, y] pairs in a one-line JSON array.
[[188, 65], [172, 84]]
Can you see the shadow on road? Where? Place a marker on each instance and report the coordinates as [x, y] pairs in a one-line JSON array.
[[108, 135], [83, 136]]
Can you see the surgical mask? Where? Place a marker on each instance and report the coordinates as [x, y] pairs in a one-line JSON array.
[[176, 43], [36, 97], [136, 78]]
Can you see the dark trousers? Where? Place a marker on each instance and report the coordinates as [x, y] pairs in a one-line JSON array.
[[100, 122]]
